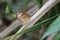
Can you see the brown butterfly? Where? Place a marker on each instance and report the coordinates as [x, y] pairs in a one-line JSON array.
[[23, 17]]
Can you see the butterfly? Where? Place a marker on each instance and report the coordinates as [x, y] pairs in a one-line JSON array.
[[23, 18]]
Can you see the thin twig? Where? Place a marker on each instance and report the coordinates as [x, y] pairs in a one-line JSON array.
[[51, 36], [9, 29]]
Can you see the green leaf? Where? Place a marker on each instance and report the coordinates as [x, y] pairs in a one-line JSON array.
[[57, 37], [7, 9], [54, 27]]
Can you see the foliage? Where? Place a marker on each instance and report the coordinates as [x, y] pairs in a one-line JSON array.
[[33, 28], [51, 19], [54, 27]]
